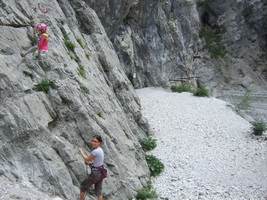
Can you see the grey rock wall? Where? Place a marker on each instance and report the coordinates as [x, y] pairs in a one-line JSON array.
[[159, 43], [40, 132], [242, 28], [152, 38]]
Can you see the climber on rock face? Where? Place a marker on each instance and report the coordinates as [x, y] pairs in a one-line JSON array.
[[42, 43], [95, 159]]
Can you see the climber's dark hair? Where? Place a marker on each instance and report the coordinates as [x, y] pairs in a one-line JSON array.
[[98, 137]]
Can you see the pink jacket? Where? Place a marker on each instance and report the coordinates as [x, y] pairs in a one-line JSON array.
[[43, 42]]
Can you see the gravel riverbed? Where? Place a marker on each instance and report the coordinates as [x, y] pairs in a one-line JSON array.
[[207, 149]]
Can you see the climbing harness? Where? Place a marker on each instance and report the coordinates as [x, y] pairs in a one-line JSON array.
[[102, 170]]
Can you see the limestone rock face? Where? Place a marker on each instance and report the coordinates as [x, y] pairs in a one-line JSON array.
[[241, 29], [157, 41], [221, 44], [89, 94]]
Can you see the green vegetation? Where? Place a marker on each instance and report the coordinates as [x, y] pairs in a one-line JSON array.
[[245, 102], [84, 90], [81, 71], [70, 46], [87, 55], [201, 91], [213, 41], [99, 113], [259, 127], [44, 85], [79, 40], [148, 143], [181, 88], [72, 56], [154, 164], [147, 192]]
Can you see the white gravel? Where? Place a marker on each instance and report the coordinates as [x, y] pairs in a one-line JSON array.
[[207, 149]]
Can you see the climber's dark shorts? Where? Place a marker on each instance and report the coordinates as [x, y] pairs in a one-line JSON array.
[[93, 178]]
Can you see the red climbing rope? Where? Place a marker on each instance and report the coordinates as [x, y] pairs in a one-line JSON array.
[[42, 7]]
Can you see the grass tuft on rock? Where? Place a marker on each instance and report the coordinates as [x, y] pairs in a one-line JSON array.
[[44, 85], [70, 45], [81, 71]]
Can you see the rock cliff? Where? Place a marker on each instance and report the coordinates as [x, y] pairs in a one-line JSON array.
[[98, 51], [221, 44], [89, 94]]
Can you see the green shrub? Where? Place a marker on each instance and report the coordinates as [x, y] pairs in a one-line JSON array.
[[99, 114], [181, 88], [70, 46], [245, 102], [81, 71], [259, 126], [148, 143], [87, 55], [213, 40], [201, 91], [79, 40], [44, 85], [154, 164], [85, 90], [72, 56], [146, 193]]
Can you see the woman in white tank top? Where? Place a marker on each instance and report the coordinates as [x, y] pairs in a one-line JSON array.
[[96, 159]]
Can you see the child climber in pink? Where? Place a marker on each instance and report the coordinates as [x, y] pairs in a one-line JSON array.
[[43, 41]]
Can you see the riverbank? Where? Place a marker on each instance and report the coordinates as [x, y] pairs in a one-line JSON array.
[[207, 149]]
